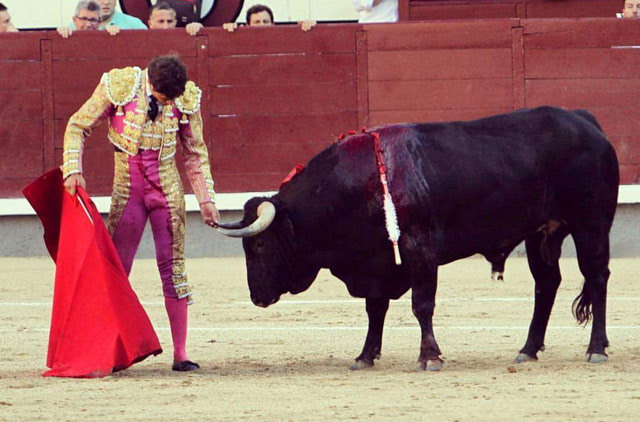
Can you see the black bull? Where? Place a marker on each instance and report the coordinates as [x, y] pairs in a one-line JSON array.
[[460, 188]]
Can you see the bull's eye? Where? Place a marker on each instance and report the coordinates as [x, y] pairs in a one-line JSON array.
[[259, 244]]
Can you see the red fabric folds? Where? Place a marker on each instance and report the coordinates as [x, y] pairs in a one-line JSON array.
[[98, 325]]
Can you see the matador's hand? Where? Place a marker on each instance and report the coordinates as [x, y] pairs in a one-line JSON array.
[[74, 180], [210, 214]]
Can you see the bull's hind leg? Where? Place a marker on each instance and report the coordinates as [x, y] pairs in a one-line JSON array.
[[543, 253], [376, 310], [592, 247]]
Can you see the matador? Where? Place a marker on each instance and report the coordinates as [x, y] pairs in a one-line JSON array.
[[149, 112]]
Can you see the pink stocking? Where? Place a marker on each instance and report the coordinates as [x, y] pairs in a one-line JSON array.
[[177, 311]]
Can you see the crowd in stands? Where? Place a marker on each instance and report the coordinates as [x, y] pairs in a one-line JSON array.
[[102, 15]]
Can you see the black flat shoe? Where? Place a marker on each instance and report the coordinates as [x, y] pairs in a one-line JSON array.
[[184, 366]]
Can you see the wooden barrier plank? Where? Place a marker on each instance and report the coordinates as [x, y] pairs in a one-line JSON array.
[[328, 38], [518, 67], [23, 156], [20, 75], [279, 99], [21, 105], [580, 33], [582, 63], [627, 147], [22, 145], [418, 116], [282, 69], [436, 35], [127, 44], [248, 182], [269, 131], [251, 158], [97, 168], [362, 76], [28, 130], [583, 93], [440, 64], [443, 94], [573, 9], [11, 187], [629, 174], [20, 46], [419, 11], [616, 121]]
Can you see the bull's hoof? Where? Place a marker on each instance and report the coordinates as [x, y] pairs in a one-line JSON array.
[[523, 357], [497, 276], [596, 357], [431, 365], [361, 364]]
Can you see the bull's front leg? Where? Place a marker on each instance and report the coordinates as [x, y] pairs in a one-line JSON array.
[[423, 299], [376, 310]]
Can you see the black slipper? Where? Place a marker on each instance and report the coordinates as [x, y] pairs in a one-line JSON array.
[[184, 366]]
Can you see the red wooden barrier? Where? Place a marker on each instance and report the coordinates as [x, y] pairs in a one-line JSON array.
[[495, 9], [276, 96]]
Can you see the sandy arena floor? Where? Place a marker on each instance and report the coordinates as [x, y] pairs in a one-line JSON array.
[[289, 362]]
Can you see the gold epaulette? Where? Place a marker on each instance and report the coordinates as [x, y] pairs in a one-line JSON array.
[[122, 85], [189, 101]]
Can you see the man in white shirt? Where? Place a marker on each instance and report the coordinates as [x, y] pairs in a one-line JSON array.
[[376, 11]]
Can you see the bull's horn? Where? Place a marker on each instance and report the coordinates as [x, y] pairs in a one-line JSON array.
[[266, 214]]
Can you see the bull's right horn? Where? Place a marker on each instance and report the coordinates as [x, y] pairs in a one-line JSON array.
[[266, 214]]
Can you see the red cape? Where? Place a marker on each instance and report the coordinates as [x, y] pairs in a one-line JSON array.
[[98, 325]]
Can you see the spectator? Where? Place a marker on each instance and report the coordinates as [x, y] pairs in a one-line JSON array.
[[110, 18], [376, 11], [5, 20], [87, 17], [163, 16], [630, 9], [261, 15]]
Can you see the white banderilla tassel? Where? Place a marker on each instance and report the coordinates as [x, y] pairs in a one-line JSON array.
[[390, 215]]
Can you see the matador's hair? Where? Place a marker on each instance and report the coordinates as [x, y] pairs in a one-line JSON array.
[[168, 75]]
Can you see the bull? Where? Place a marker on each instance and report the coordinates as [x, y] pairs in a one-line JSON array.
[[459, 188]]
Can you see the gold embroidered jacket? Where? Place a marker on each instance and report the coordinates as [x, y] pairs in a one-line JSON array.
[[121, 98]]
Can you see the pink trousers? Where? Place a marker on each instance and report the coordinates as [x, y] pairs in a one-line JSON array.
[[145, 188]]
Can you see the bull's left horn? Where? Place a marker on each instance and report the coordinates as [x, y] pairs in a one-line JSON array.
[[266, 214]]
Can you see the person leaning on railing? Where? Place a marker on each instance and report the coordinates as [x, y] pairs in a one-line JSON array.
[[110, 20], [5, 20], [261, 15], [86, 18], [163, 16]]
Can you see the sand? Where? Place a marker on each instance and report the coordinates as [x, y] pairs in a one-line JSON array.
[[290, 362]]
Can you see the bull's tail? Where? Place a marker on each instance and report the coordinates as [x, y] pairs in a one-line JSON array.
[[582, 306]]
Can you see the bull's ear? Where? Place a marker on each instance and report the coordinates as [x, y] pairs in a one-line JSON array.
[[285, 223]]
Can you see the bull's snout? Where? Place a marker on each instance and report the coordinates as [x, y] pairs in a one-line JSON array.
[[264, 303]]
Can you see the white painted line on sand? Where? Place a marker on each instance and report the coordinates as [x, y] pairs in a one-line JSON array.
[[352, 301], [361, 328]]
